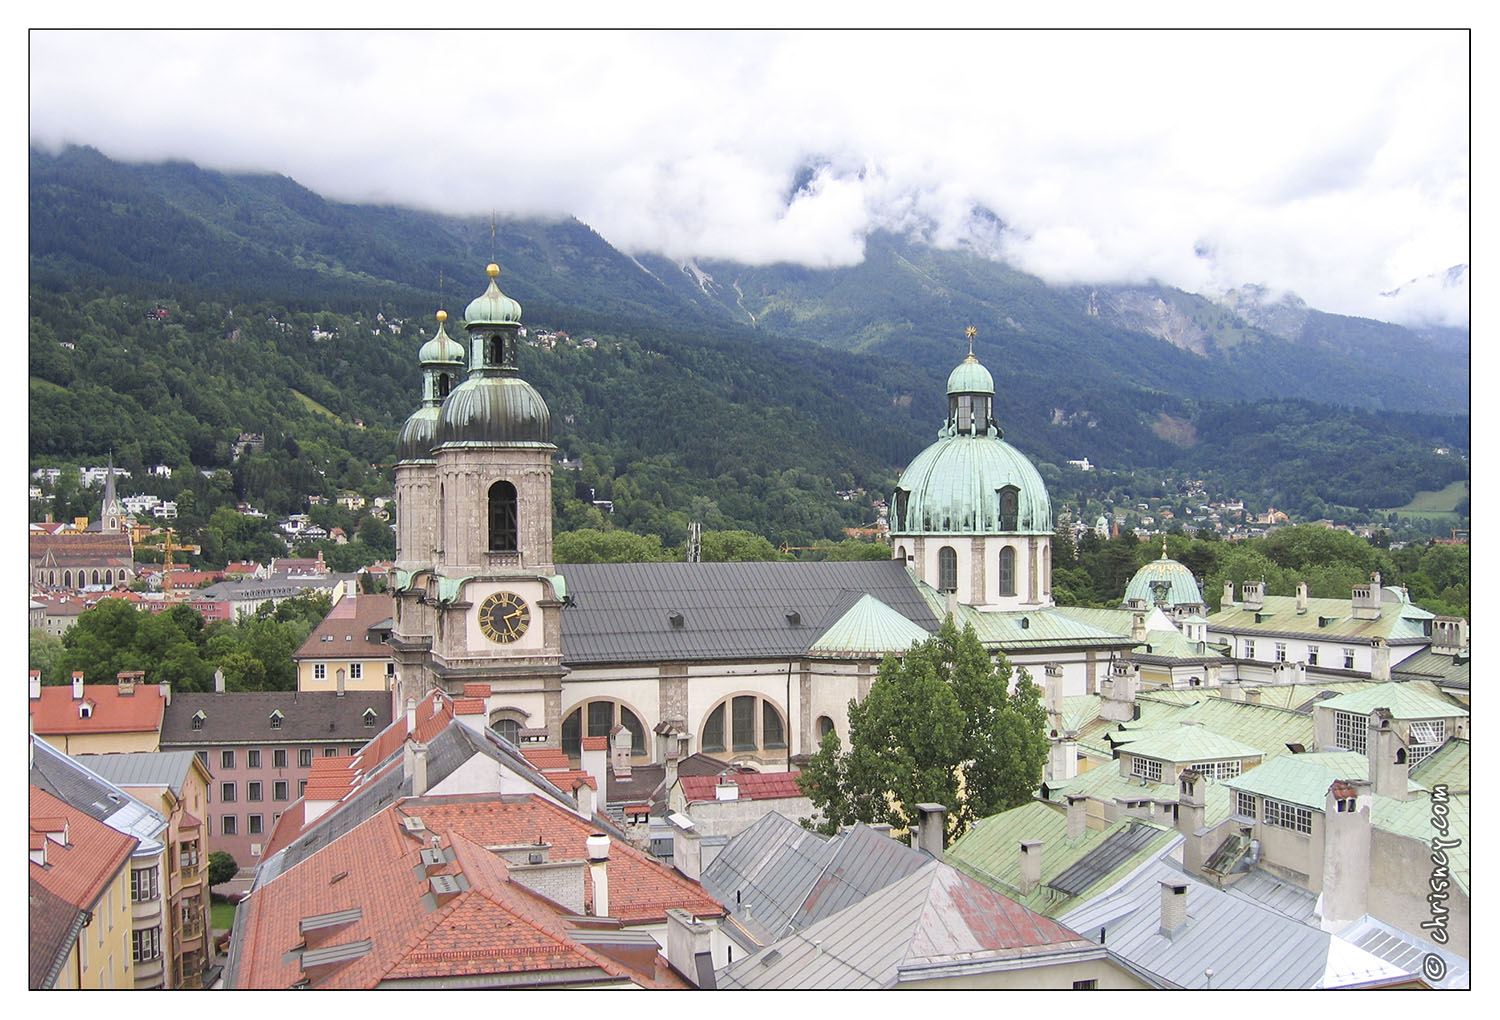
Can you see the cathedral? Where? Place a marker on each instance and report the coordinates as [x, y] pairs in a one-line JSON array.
[[752, 663], [99, 556]]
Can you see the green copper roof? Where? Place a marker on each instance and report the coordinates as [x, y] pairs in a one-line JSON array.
[[990, 852], [1413, 819], [868, 627], [1447, 766], [953, 487], [1403, 702], [492, 307], [971, 377], [418, 435], [1400, 622], [1304, 778], [1183, 743], [1176, 582], [1047, 627], [442, 350], [494, 409]]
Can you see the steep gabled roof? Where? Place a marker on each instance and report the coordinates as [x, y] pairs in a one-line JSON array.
[[751, 786], [245, 717], [53, 925], [79, 872], [345, 632]]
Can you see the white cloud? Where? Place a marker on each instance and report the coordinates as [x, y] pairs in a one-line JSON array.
[[1332, 164]]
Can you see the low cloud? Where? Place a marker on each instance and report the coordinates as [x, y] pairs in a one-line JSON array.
[[1334, 165]]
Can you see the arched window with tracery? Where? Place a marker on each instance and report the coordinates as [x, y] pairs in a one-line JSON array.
[[596, 719], [744, 722]]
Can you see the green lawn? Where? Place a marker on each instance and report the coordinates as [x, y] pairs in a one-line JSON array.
[[222, 915], [1434, 505]]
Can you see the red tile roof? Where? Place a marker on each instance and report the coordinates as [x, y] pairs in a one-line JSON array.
[[596, 743], [546, 758], [81, 871], [480, 691], [55, 712], [468, 706], [492, 927], [753, 785]]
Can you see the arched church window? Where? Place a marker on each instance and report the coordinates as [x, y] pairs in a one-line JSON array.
[[1010, 498], [96, 577], [947, 569], [67, 579], [825, 726], [1008, 570], [502, 517], [596, 719], [902, 495], [750, 728], [507, 728], [444, 384]]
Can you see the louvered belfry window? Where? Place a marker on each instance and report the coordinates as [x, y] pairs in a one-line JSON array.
[[503, 532]]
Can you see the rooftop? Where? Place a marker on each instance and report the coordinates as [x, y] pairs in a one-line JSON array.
[[56, 711]]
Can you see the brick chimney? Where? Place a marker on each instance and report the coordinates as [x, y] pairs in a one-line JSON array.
[[690, 948], [1031, 866], [1190, 815], [77, 685], [598, 853], [1389, 768], [1173, 906], [931, 819], [1346, 852], [1078, 817]]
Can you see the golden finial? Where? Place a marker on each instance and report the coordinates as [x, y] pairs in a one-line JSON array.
[[1164, 547], [493, 270], [970, 332], [442, 316]]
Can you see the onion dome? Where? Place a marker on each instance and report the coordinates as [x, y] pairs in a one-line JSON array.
[[443, 363], [494, 405], [1165, 582], [492, 307], [971, 481]]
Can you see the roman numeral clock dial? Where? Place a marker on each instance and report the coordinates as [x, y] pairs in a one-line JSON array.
[[504, 617]]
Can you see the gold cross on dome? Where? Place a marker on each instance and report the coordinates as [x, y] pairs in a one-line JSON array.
[[970, 333]]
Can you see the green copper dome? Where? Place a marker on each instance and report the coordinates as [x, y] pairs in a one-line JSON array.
[[442, 350], [1166, 579], [492, 306], [418, 435], [494, 409], [971, 484], [971, 377]]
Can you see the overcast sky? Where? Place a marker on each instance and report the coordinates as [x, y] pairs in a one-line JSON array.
[[1332, 164]]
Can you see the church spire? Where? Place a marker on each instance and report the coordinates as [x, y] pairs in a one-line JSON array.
[[109, 512]]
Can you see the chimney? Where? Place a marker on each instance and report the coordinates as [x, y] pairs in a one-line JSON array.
[[166, 692], [1138, 627], [1380, 660], [1173, 906], [1078, 817], [416, 767], [411, 715], [583, 793], [1190, 817], [1118, 704], [1031, 866], [339, 680], [1252, 695], [598, 851], [1364, 602], [726, 789], [951, 603], [690, 948], [35, 688], [620, 740], [931, 819], [1062, 755], [593, 757], [218, 681], [1450, 635], [77, 685], [1052, 689], [687, 847], [1228, 595], [669, 778], [1213, 674], [1301, 598], [1252, 596], [1389, 769], [1346, 852]]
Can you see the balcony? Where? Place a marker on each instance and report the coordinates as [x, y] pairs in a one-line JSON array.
[[148, 973], [189, 872], [144, 912]]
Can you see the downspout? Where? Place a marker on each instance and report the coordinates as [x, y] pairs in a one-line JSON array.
[[789, 714]]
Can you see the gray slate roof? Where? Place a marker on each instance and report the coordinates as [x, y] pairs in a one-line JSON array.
[[245, 717], [143, 768], [790, 877], [621, 611], [87, 791], [1245, 944]]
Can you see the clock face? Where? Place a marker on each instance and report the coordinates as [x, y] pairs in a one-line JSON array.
[[504, 617]]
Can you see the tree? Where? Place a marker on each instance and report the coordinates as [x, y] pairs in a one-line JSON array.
[[939, 725], [43, 651], [222, 867], [737, 547]]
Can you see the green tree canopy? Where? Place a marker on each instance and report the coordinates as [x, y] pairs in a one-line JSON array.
[[939, 725]]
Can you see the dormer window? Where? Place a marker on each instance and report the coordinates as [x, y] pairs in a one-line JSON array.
[[85, 710], [276, 718], [198, 719], [1010, 500], [369, 718]]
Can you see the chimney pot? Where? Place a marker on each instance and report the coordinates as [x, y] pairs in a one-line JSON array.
[[34, 689], [1077, 817], [1031, 866], [77, 685], [1173, 906], [931, 819]]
